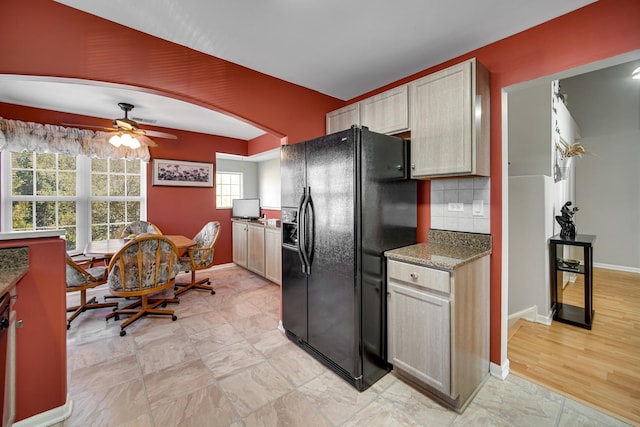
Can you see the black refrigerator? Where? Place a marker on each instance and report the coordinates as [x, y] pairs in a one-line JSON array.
[[346, 198]]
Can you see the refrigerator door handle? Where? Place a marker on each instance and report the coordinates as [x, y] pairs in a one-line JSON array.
[[309, 243], [302, 232]]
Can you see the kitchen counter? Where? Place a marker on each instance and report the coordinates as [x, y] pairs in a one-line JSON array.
[[444, 250], [14, 264], [38, 234], [259, 222]]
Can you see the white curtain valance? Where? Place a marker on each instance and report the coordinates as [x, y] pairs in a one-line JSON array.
[[28, 136]]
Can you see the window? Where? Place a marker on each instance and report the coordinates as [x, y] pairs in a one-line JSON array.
[[228, 187], [87, 197]]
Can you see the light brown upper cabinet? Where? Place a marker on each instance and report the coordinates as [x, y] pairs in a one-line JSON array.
[[343, 118], [449, 115], [387, 112]]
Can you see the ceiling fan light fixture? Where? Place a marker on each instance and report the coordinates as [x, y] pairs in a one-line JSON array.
[[125, 139], [115, 140]]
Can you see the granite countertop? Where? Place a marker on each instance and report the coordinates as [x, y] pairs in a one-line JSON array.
[[444, 250], [14, 264]]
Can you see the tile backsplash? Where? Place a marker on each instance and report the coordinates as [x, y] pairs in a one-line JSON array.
[[469, 194]]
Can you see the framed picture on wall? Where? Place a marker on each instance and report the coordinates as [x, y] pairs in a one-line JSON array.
[[179, 173]]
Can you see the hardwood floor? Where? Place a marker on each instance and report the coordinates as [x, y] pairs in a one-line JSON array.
[[601, 366]]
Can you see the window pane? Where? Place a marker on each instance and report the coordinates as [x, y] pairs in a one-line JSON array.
[[22, 183], [223, 178], [133, 166], [235, 179], [99, 212], [71, 238], [66, 183], [99, 165], [133, 211], [45, 215], [116, 166], [116, 212], [99, 232], [45, 183], [116, 185], [23, 160], [66, 213], [98, 185], [22, 216], [133, 185], [114, 229], [67, 163], [46, 161]]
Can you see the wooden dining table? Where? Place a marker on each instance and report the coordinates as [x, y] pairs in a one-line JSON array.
[[108, 248]]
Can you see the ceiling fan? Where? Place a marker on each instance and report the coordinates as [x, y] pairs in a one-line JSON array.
[[127, 132]]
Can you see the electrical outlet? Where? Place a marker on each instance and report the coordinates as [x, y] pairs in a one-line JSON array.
[[455, 207]]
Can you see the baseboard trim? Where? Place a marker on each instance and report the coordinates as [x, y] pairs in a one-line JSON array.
[[48, 418], [531, 314], [221, 266], [617, 268], [499, 371]]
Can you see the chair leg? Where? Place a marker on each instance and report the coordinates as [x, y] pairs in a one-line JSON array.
[[200, 284], [147, 306], [86, 305]]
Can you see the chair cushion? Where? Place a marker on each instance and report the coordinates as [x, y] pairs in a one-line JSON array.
[[76, 278]]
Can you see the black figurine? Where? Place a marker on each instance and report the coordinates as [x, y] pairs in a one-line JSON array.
[[568, 228]]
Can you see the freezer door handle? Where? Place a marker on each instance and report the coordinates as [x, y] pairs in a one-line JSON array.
[[310, 228], [302, 232]]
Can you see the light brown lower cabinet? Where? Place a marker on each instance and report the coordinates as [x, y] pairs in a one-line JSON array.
[[438, 327], [257, 248]]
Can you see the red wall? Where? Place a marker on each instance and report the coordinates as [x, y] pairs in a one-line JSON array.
[[598, 31], [41, 343], [101, 50]]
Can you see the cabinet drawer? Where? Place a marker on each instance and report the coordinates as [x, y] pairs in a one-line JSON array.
[[423, 277]]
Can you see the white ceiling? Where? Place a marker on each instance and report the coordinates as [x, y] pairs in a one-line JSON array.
[[342, 48]]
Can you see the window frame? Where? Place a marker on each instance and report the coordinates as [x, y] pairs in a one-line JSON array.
[[83, 197], [219, 185]]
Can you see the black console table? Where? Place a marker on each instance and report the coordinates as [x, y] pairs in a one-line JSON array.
[[577, 316]]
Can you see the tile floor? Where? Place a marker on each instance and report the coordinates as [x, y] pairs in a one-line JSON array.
[[225, 363]]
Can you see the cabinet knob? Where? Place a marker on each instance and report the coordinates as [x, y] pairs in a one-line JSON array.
[[399, 167], [414, 276], [413, 165]]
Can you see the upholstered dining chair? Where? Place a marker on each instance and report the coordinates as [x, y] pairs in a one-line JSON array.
[[137, 228], [199, 257], [80, 279], [146, 265]]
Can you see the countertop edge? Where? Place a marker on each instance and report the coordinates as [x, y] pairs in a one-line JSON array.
[[447, 266], [10, 278], [16, 235]]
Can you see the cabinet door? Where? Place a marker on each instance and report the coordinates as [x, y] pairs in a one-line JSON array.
[[419, 335], [255, 249], [239, 231], [441, 123], [273, 254], [387, 112], [343, 118]]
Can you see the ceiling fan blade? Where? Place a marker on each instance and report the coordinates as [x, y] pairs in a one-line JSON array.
[[158, 134], [146, 140], [83, 126]]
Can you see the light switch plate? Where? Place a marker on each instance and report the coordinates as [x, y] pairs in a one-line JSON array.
[[477, 208]]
